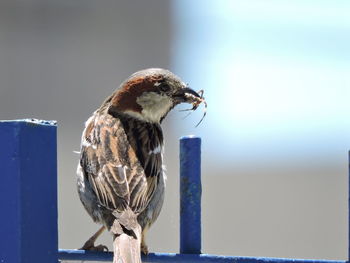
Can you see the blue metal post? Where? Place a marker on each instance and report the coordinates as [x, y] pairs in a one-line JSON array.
[[81, 255], [28, 192], [190, 195]]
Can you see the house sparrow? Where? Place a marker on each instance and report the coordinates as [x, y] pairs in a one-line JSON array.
[[121, 180]]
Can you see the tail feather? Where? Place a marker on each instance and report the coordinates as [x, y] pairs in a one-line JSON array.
[[127, 238], [126, 249]]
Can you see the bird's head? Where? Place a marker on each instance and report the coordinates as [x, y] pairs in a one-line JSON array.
[[150, 94]]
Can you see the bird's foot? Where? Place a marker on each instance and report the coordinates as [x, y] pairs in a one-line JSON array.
[[89, 245], [144, 249]]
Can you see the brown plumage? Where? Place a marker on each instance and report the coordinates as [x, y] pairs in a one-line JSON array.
[[120, 176]]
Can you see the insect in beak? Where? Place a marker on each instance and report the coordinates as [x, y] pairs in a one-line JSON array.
[[196, 101]]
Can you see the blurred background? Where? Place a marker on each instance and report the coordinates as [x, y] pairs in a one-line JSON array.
[[277, 132]]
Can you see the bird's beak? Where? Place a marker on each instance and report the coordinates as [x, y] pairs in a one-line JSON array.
[[186, 95], [190, 96], [187, 92]]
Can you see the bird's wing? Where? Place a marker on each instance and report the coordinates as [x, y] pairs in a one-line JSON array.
[[111, 166], [146, 141]]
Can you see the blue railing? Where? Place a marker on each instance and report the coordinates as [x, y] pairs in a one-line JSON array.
[[28, 202]]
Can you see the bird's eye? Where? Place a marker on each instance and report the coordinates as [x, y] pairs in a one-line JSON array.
[[164, 87]]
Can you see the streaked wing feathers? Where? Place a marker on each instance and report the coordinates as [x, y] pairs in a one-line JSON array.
[[113, 168]]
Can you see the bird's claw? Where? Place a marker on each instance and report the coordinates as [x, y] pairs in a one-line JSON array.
[[144, 249], [91, 247]]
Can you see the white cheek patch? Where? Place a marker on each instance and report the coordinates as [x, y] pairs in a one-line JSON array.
[[154, 106]]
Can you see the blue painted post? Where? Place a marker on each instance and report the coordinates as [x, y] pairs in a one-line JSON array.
[[190, 195], [81, 255], [28, 192]]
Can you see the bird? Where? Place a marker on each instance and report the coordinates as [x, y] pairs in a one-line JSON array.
[[120, 174]]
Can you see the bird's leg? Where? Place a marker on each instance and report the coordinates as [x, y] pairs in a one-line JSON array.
[[144, 247], [90, 243]]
